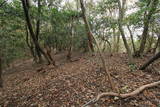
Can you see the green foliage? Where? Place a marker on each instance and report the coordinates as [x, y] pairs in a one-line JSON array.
[[12, 43], [135, 19], [132, 67], [61, 23], [57, 20]]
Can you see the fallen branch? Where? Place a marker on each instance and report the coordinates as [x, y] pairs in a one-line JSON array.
[[131, 94], [157, 56]]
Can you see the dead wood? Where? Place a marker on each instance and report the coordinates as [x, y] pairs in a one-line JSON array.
[[123, 96]]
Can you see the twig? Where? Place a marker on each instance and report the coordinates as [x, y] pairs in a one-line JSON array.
[[90, 102]]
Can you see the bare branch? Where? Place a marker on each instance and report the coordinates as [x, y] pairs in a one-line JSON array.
[[131, 94]]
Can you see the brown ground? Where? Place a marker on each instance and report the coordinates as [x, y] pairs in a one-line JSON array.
[[72, 84]]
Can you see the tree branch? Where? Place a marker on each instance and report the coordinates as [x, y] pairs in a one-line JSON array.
[[131, 94]]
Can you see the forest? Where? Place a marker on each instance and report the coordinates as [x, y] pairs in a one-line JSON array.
[[79, 53]]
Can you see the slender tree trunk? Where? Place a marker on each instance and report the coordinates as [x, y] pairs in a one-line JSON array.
[[114, 40], [38, 29], [121, 15], [37, 46], [104, 46], [109, 44], [150, 61], [117, 46], [30, 45], [71, 43], [147, 19], [38, 20], [131, 35], [100, 53], [150, 42], [88, 29], [1, 81], [157, 44], [49, 51]]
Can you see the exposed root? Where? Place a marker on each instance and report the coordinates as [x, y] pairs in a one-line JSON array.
[[131, 94]]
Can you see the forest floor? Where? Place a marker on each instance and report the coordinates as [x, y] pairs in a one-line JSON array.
[[72, 84]]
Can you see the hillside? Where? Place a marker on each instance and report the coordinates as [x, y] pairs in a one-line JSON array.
[[77, 82]]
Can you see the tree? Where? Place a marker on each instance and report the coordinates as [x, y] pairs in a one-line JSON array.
[[30, 45], [120, 20], [1, 81], [152, 5], [88, 29], [71, 41], [131, 35], [32, 34], [12, 42], [100, 53], [157, 44]]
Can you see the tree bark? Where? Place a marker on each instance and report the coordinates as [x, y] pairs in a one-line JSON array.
[[38, 28], [157, 44], [109, 44], [147, 19], [70, 42], [30, 45], [157, 56], [1, 81], [117, 43], [131, 35], [150, 42], [38, 20], [88, 29], [114, 39], [121, 15], [49, 51], [33, 36], [99, 51]]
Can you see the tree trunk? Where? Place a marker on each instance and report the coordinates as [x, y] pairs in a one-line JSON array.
[[30, 45], [159, 47], [99, 51], [104, 46], [70, 42], [117, 42], [150, 61], [114, 40], [1, 81], [131, 35], [88, 29], [49, 51], [150, 42], [121, 15], [70, 45], [147, 19], [109, 44], [38, 20], [38, 29], [37, 46], [157, 44]]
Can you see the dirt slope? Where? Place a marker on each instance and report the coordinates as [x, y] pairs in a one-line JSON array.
[[75, 83]]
